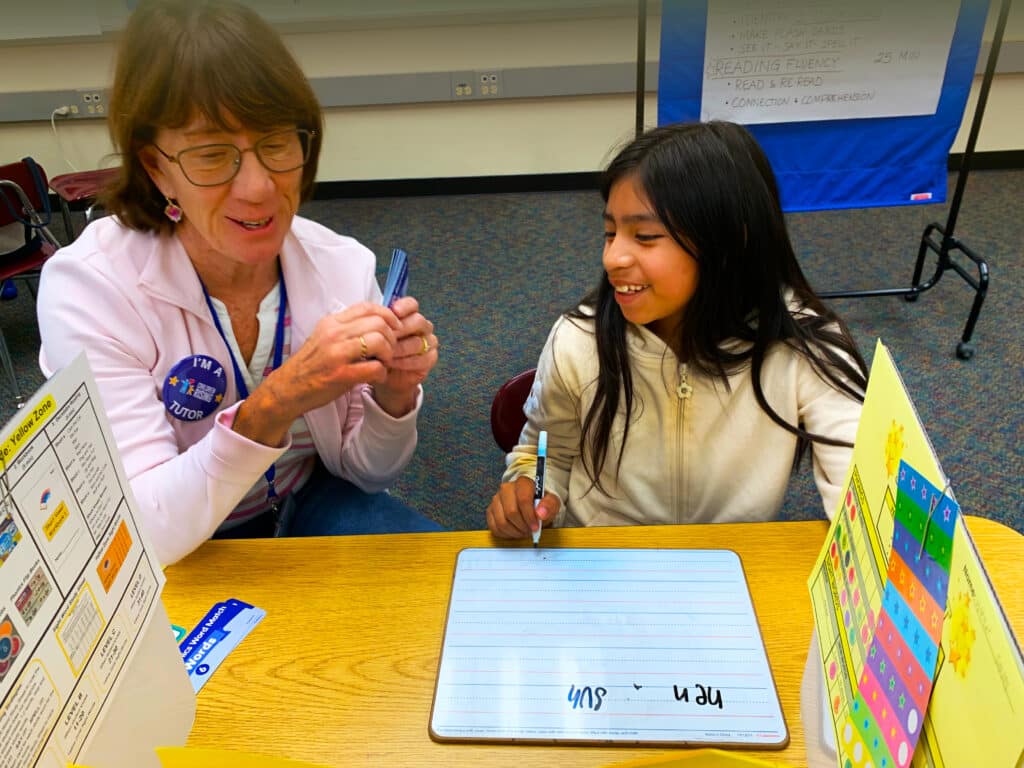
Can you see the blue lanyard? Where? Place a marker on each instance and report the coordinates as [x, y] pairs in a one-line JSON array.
[[243, 390]]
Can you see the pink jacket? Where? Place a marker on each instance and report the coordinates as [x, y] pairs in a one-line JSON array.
[[134, 303]]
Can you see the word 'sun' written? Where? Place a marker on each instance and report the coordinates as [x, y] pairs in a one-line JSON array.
[[592, 697]]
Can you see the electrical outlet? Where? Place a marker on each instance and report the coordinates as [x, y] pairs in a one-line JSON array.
[[489, 83], [481, 84], [89, 102]]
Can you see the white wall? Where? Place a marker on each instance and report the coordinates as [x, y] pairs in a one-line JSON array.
[[549, 135]]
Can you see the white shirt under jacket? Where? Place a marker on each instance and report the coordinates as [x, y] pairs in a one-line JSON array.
[[714, 456], [134, 303]]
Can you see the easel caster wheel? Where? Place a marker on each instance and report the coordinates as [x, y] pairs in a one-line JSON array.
[[964, 350], [910, 297]]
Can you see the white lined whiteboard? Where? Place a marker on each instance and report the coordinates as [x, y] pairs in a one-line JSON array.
[[646, 646]]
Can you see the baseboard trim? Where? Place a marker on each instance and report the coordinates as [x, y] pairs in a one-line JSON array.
[[1001, 160], [562, 182], [457, 185], [1005, 160]]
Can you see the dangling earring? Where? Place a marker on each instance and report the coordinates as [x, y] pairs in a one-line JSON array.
[[173, 211]]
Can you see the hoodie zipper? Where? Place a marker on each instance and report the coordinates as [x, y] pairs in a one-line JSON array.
[[684, 391]]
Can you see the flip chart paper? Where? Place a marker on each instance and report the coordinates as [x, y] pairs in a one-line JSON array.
[[641, 646], [830, 60]]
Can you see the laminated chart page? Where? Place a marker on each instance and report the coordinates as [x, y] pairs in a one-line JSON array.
[[77, 584], [966, 657], [631, 646]]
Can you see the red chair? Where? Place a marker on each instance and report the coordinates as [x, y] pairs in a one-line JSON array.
[[25, 238], [507, 417], [81, 187]]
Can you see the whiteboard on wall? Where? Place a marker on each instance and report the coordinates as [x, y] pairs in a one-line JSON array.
[[94, 18], [61, 18]]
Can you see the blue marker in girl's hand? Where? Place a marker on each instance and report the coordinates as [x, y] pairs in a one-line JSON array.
[[538, 483]]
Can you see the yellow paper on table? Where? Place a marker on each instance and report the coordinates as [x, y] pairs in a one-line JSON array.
[[974, 717], [190, 757], [701, 758]]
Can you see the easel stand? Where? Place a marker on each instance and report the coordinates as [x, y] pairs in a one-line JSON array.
[[938, 238]]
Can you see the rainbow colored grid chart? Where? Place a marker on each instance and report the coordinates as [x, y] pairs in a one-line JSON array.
[[884, 722], [853, 574], [911, 678]]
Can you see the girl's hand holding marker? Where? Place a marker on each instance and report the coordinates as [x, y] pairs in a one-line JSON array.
[[521, 507], [538, 484]]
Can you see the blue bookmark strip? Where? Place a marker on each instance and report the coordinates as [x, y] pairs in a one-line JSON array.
[[221, 630]]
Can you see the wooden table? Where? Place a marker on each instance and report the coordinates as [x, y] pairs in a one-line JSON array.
[[341, 671]]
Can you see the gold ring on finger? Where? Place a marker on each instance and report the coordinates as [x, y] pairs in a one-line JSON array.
[[364, 351], [426, 345]]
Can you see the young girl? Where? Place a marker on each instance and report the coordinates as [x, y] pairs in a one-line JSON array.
[[688, 383]]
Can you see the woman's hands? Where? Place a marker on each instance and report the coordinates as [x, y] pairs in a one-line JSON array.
[[413, 357], [511, 515], [364, 343]]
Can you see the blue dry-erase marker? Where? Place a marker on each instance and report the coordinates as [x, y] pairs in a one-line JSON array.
[[538, 483]]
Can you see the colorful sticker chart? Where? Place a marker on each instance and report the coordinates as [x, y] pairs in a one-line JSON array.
[[636, 646], [964, 650], [895, 684]]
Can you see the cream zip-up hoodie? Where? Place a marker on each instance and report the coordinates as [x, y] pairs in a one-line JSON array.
[[696, 452]]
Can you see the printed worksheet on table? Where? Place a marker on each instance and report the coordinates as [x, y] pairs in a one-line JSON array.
[[77, 583]]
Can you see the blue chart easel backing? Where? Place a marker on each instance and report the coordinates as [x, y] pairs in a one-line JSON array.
[[854, 163]]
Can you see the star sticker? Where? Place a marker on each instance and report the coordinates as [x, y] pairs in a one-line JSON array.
[[218, 398], [173, 381]]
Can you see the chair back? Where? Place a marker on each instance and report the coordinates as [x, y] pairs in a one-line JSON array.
[[25, 238], [507, 416], [30, 178]]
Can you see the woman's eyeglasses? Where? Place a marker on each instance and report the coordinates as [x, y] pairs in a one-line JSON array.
[[211, 165]]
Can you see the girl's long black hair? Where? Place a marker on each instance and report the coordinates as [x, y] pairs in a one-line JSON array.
[[714, 190]]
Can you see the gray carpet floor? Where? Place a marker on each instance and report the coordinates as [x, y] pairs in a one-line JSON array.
[[494, 271]]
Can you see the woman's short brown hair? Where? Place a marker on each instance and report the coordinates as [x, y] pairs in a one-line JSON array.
[[179, 59]]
